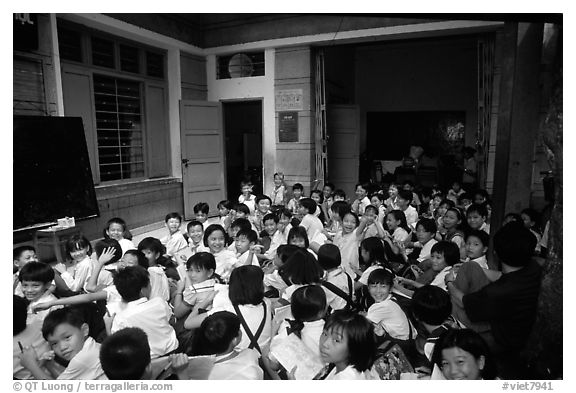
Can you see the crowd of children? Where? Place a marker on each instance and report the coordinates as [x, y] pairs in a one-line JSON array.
[[289, 286]]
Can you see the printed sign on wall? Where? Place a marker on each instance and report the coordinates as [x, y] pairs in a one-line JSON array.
[[288, 126], [289, 100]]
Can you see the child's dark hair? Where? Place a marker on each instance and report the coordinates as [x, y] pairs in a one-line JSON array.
[[213, 228], [340, 193], [483, 193], [78, 242], [308, 303], [469, 341], [142, 260], [298, 186], [70, 315], [466, 196], [216, 333], [477, 208], [246, 285], [400, 216], [301, 268], [192, 224], [431, 305], [152, 244], [19, 314], [378, 195], [408, 183], [17, 252], [514, 217], [341, 208], [457, 211], [371, 208], [329, 256], [36, 271], [449, 251], [351, 213], [365, 186], [249, 234], [480, 235], [360, 334], [225, 204], [173, 215], [130, 281], [119, 221], [533, 215], [201, 207], [285, 251], [246, 182], [241, 224], [298, 233], [285, 212], [263, 197], [406, 195], [375, 249], [202, 260], [125, 354], [101, 245], [242, 208], [271, 216], [448, 202], [428, 224], [381, 276], [319, 193], [308, 204], [330, 185]]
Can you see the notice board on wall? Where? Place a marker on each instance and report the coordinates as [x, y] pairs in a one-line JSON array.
[[288, 126]]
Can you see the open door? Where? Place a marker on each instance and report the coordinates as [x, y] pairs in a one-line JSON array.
[[343, 129], [202, 154]]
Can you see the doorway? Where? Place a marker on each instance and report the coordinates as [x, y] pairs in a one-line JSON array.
[[243, 141]]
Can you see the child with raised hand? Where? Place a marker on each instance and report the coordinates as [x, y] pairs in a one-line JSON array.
[[385, 313], [348, 241], [278, 193], [163, 272], [108, 253], [361, 200], [75, 270], [308, 307], [67, 334], [174, 241], [347, 345], [116, 229], [373, 227], [390, 202], [462, 354], [247, 248], [246, 197], [337, 284], [215, 240]]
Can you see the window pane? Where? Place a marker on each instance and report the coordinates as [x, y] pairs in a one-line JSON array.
[[129, 59], [69, 44], [102, 52], [119, 128], [154, 65]]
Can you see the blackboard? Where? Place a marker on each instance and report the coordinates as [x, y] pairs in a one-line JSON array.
[[52, 176]]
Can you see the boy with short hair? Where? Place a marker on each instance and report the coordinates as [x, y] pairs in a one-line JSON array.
[[126, 355], [403, 201], [67, 333], [174, 241], [335, 280], [201, 210], [476, 216], [409, 186], [245, 242], [36, 279], [22, 255], [339, 195], [294, 203], [310, 222], [465, 201], [195, 231], [153, 316]]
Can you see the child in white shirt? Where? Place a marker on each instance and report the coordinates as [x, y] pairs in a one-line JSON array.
[[246, 197], [403, 201], [246, 247], [75, 271], [174, 241], [310, 222], [226, 261], [294, 203], [329, 259], [116, 229], [361, 200]]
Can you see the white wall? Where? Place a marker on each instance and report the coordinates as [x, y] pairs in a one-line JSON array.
[[259, 87]]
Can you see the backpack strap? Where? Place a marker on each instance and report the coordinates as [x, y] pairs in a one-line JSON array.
[[339, 292], [253, 337]]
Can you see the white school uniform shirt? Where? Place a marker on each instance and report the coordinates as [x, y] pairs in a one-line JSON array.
[[411, 216], [195, 293], [399, 235], [364, 277], [76, 275], [426, 251], [349, 373], [275, 281], [37, 318], [174, 243], [31, 336], [250, 202], [482, 261], [226, 261], [126, 245], [340, 280], [159, 283], [312, 224], [310, 336], [277, 240], [153, 317], [243, 366], [348, 245], [362, 205], [86, 363], [114, 302], [439, 278], [388, 315], [242, 258]]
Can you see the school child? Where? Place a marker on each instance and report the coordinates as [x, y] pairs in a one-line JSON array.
[[390, 202], [198, 283], [348, 241], [426, 198], [224, 209], [273, 281], [246, 197], [328, 190], [116, 229], [397, 233], [36, 279], [308, 307], [455, 192], [385, 313], [108, 253], [201, 210], [373, 227], [126, 355], [195, 231], [298, 237], [215, 240], [220, 334], [451, 223], [373, 257], [75, 271], [431, 308], [310, 222], [338, 210], [318, 197], [530, 219], [163, 272], [437, 198], [465, 201], [279, 193], [263, 204], [462, 354], [444, 255], [476, 216], [174, 241], [300, 269], [477, 243], [67, 334], [480, 196], [425, 240], [361, 200], [340, 195], [236, 226], [245, 298], [23, 255], [246, 247], [409, 186], [337, 284], [403, 201], [150, 314], [347, 344], [445, 204], [24, 337], [377, 200], [241, 210], [294, 203], [328, 199], [271, 221]]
